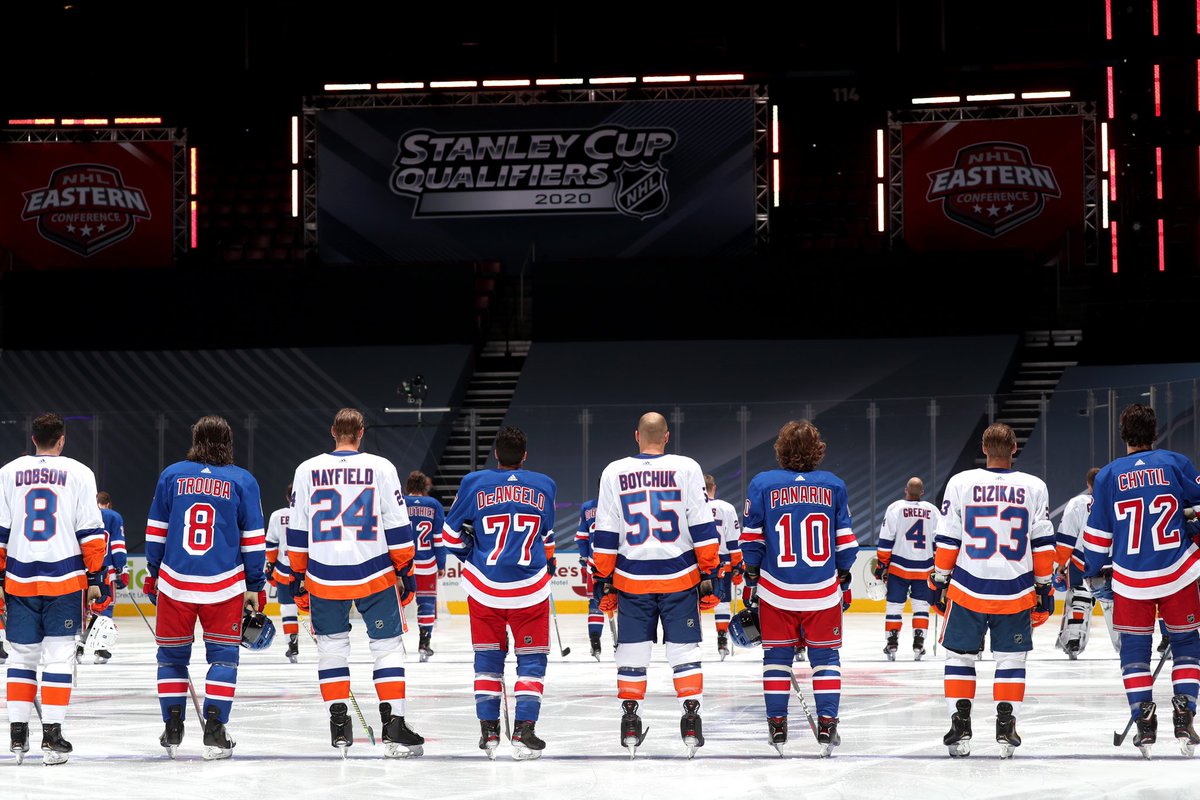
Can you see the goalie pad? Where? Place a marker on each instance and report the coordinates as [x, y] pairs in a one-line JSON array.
[[101, 635], [876, 589]]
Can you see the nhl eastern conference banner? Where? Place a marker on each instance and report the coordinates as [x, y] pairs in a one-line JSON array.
[[1003, 184], [631, 179], [96, 204]]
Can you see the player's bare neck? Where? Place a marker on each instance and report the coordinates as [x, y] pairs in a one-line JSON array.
[[510, 467], [999, 463], [654, 450], [341, 445], [1141, 448]]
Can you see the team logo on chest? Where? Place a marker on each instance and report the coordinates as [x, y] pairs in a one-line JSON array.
[[993, 187]]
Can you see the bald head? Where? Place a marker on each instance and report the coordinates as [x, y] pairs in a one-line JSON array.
[[914, 489], [652, 433]]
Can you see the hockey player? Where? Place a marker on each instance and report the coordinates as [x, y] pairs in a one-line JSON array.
[[279, 573], [1134, 536], [991, 576], [507, 562], [116, 562], [205, 557], [729, 551], [348, 538], [655, 549], [583, 540], [52, 548], [427, 518], [1077, 609], [798, 547], [904, 559]]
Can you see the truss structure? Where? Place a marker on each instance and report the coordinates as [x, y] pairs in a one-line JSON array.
[[525, 96], [1086, 111]]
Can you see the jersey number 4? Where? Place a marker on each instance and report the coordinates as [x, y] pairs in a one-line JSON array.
[[358, 515], [813, 532]]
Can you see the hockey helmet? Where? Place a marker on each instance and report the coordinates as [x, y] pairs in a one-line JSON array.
[[101, 634], [744, 629], [258, 631], [876, 588]]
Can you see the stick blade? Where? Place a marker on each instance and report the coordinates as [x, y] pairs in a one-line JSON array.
[[371, 735], [1117, 739], [566, 652]]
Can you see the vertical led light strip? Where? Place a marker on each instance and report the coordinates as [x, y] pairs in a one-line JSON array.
[[1154, 17], [1108, 19], [1104, 204], [193, 187], [1104, 166], [1112, 175], [1104, 147], [880, 217], [1113, 228], [775, 156], [1157, 93], [295, 167], [1162, 252], [1111, 94], [1198, 84], [1158, 170]]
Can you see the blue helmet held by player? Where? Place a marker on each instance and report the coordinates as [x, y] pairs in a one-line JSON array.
[[744, 629], [258, 631]]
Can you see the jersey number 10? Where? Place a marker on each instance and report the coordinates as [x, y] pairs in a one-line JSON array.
[[813, 532]]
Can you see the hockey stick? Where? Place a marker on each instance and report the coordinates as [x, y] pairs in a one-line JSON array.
[[612, 626], [1119, 738], [361, 719], [812, 723], [504, 693], [565, 651], [936, 617], [191, 688]]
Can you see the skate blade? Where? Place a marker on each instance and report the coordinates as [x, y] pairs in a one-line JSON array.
[[1007, 750], [523, 753], [827, 750], [960, 749], [397, 750], [632, 743], [52, 757], [491, 751], [596, 656], [294, 659], [342, 749], [1145, 751], [212, 753], [724, 656], [778, 747], [20, 755], [890, 656], [1186, 746], [172, 749], [918, 655]]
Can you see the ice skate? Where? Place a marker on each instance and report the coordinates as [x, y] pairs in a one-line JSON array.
[[526, 744], [423, 647], [1072, 649], [690, 728], [958, 739], [293, 650], [722, 644], [54, 747], [891, 645], [399, 741], [777, 733], [341, 734], [1006, 730], [918, 644], [19, 736], [632, 734], [1147, 728], [1185, 733], [827, 735], [595, 640], [172, 735], [217, 744], [489, 737], [801, 655]]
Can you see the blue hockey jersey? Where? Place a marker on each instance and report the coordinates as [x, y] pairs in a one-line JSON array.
[[511, 513], [797, 530], [587, 526], [205, 537], [117, 556], [427, 518], [1136, 524]]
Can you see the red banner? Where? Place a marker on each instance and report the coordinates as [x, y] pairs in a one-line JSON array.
[[1005, 184], [71, 204]]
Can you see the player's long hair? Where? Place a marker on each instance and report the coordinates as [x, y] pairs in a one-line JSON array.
[[212, 442], [799, 447]]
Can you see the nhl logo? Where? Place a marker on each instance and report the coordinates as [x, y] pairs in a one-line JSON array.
[[528, 640], [993, 187], [1018, 638], [1191, 618], [85, 208], [641, 190]]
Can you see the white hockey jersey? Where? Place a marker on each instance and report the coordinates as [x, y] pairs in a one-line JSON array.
[[729, 531], [906, 538], [1070, 530], [277, 536]]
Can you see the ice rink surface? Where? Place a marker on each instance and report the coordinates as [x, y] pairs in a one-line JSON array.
[[893, 716]]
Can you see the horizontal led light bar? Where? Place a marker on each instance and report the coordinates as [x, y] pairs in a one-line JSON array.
[[983, 98], [138, 120], [666, 78], [400, 85], [559, 81], [1045, 95], [347, 87], [508, 82], [726, 76], [34, 121], [925, 101], [86, 121], [453, 84], [601, 81]]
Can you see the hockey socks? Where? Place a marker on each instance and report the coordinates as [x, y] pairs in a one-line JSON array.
[[388, 674], [1185, 666], [826, 679], [1009, 684], [1135, 670], [688, 676], [777, 679], [960, 678]]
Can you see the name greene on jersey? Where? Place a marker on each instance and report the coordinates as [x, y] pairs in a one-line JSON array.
[[922, 513], [793, 495], [213, 487], [524, 495]]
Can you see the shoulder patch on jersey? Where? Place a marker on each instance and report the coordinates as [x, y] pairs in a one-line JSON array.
[[512, 478]]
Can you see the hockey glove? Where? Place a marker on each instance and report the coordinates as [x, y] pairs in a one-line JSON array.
[[723, 569], [881, 570], [407, 587], [737, 572], [1045, 603], [844, 579], [105, 600], [300, 592], [551, 566], [608, 596], [270, 573], [938, 583], [708, 598], [150, 589], [752, 573], [1059, 580], [122, 579], [1101, 585]]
